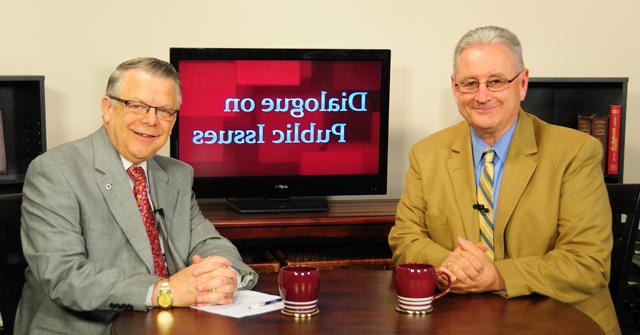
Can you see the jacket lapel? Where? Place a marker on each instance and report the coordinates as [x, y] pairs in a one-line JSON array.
[[114, 184], [460, 167], [165, 196], [518, 169]]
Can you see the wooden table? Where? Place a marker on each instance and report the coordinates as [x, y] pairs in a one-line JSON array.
[[362, 302]]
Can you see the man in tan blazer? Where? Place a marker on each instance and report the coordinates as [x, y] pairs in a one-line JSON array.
[[550, 212]]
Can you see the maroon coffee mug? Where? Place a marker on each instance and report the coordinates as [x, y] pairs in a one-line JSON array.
[[299, 287], [415, 285]]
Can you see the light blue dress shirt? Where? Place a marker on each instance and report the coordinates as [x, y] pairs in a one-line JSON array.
[[501, 148]]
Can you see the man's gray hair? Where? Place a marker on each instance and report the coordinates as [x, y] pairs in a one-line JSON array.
[[150, 65], [489, 35]]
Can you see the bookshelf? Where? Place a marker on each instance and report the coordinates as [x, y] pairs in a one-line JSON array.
[[560, 100], [23, 113]]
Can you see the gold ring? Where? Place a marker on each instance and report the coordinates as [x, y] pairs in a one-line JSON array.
[[213, 290]]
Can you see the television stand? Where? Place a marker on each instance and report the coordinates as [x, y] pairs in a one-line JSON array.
[[286, 205], [351, 234]]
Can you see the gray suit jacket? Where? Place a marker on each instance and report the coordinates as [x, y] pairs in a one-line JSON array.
[[86, 245]]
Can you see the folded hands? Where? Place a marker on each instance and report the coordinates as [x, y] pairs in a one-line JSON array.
[[470, 269], [207, 281]]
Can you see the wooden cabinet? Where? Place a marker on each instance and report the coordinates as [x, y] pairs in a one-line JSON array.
[[352, 233], [23, 126]]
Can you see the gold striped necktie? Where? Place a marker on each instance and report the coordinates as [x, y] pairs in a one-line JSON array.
[[485, 200]]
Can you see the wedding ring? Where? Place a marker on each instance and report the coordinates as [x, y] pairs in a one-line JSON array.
[[449, 264], [213, 290]]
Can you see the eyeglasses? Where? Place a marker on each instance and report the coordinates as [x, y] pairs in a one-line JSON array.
[[493, 84], [140, 108]]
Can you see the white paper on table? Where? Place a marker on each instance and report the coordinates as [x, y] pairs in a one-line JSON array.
[[245, 303]]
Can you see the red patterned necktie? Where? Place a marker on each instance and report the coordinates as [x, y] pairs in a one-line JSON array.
[[136, 173]]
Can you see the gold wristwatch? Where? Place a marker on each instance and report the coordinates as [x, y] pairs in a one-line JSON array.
[[165, 298]]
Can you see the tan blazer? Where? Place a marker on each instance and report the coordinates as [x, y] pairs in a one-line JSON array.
[[553, 220]]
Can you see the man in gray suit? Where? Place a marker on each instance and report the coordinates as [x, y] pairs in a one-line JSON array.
[[93, 248]]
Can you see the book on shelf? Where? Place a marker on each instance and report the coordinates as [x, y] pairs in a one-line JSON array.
[[584, 123], [613, 147], [3, 152], [596, 126], [599, 130]]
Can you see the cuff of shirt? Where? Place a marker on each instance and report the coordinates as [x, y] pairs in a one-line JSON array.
[[148, 301]]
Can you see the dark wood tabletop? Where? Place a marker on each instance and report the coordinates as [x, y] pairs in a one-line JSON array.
[[363, 302]]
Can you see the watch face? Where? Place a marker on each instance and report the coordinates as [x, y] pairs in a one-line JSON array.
[[165, 300]]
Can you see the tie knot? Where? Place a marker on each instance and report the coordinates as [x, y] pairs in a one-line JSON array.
[[136, 172], [489, 154]]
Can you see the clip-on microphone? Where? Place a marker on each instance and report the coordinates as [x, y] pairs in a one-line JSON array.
[[481, 208]]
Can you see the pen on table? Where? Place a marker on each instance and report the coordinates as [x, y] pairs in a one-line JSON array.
[[265, 303]]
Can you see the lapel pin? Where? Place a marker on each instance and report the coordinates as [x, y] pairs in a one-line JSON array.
[[108, 187]]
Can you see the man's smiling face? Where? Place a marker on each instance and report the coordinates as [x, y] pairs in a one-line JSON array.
[[138, 137], [490, 113]]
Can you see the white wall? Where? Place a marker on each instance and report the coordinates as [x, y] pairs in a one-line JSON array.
[[76, 44]]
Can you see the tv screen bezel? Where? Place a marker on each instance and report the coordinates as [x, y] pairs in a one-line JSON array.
[[292, 186]]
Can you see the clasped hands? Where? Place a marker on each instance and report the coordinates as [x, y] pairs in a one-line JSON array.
[[470, 269], [207, 281]]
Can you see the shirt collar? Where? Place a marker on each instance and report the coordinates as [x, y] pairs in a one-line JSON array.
[[127, 164], [501, 147]]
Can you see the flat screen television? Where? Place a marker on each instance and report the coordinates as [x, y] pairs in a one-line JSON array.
[[275, 130]]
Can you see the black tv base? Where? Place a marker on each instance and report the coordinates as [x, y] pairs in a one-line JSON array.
[[286, 205]]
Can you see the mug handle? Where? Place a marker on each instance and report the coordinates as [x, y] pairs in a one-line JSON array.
[[441, 294]]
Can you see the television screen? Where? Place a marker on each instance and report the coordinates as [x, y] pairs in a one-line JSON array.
[[283, 122]]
